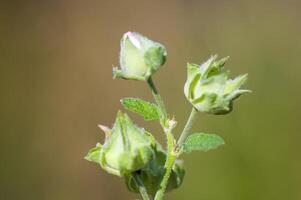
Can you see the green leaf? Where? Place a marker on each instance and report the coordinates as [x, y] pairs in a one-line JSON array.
[[202, 142], [94, 154], [147, 110]]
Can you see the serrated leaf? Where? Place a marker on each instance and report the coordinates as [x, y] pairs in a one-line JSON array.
[[202, 142], [94, 154], [147, 110]]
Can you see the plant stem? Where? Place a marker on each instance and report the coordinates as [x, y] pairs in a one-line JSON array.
[[170, 157], [170, 160], [158, 99], [187, 127], [171, 154], [141, 186]]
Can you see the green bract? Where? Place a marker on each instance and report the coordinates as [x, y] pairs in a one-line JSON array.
[[208, 88], [127, 148], [139, 57], [152, 174]]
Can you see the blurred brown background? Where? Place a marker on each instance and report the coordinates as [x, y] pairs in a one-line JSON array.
[[55, 64]]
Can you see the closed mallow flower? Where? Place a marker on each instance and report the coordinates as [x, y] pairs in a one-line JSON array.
[[209, 89], [127, 148], [140, 57]]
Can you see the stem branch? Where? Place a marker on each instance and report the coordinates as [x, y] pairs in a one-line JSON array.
[[187, 127]]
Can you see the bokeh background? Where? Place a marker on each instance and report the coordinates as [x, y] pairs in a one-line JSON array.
[[56, 86]]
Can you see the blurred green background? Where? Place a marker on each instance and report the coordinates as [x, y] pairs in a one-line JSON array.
[[56, 59]]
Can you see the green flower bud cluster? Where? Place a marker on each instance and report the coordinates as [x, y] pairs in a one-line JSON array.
[[208, 88], [140, 57], [133, 153]]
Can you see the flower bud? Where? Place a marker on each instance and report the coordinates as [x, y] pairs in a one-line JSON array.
[[208, 88], [151, 175], [139, 57], [127, 148]]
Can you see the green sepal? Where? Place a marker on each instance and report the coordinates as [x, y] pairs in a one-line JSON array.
[[155, 56], [94, 154], [117, 73]]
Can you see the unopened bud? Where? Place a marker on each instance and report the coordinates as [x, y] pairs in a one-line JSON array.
[[208, 88], [140, 57]]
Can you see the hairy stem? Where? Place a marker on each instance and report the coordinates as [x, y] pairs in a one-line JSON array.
[[141, 186], [171, 156], [171, 146], [187, 127], [170, 160], [159, 101]]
